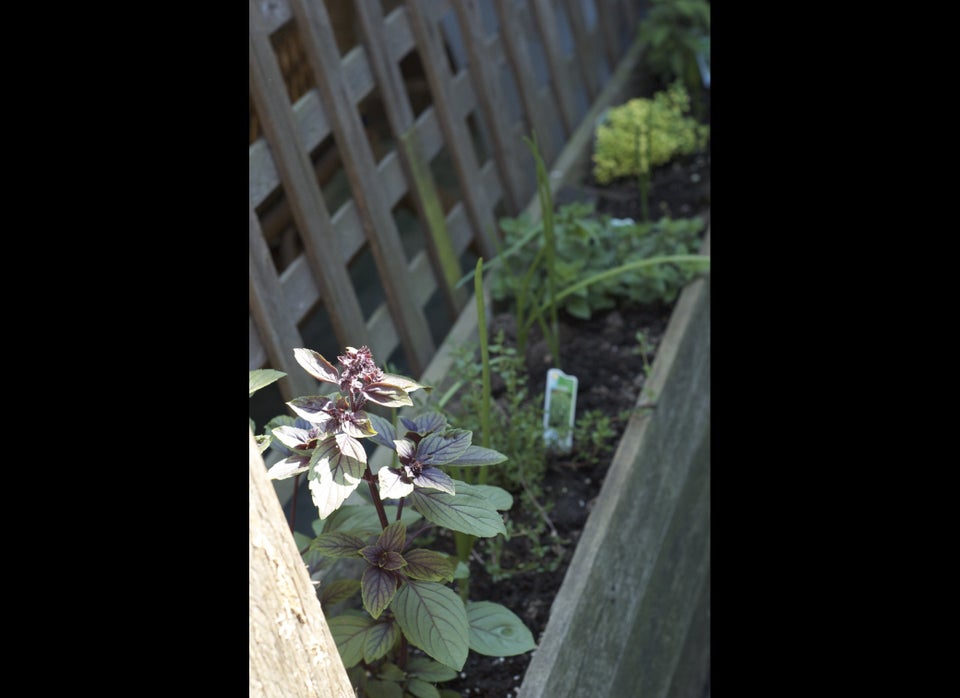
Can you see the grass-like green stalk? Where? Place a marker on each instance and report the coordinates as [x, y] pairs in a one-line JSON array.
[[465, 542], [643, 176], [550, 245], [616, 271]]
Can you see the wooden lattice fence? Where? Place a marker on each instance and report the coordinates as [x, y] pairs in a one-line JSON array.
[[386, 139]]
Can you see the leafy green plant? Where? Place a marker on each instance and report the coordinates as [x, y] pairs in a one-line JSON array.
[[676, 39], [600, 262], [404, 597], [516, 421], [641, 134]]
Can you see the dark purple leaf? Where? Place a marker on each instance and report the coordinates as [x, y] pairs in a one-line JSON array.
[[438, 449], [405, 449], [393, 537], [387, 395], [317, 366], [313, 408], [377, 588], [425, 423], [429, 566], [435, 479], [385, 431], [478, 455]]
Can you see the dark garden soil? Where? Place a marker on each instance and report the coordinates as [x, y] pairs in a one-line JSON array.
[[601, 352]]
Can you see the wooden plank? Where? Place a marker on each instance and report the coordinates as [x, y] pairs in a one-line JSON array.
[[478, 200], [311, 120], [612, 43], [563, 87], [300, 185], [484, 74], [292, 653], [657, 488], [378, 223], [277, 331], [413, 157], [539, 106], [588, 58]]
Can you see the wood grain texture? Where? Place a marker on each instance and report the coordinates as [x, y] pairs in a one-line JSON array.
[[300, 184], [292, 653], [379, 226]]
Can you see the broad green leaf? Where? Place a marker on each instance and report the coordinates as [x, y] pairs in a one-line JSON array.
[[422, 689], [362, 519], [338, 590], [429, 670], [447, 693], [496, 631], [429, 565], [317, 366], [377, 589], [262, 377], [497, 496], [349, 632], [383, 689], [433, 618], [338, 544], [479, 455], [468, 511], [391, 672], [381, 637]]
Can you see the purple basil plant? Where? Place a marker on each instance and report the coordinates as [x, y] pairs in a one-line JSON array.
[[405, 597]]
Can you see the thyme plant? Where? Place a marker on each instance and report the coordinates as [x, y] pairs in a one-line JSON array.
[[408, 630]]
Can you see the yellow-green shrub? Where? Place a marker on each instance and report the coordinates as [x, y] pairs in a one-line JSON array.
[[644, 133]]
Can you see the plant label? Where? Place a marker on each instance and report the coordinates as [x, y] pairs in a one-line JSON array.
[[559, 410]]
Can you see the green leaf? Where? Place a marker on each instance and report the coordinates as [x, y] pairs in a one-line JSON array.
[[338, 544], [380, 638], [429, 565], [468, 511], [262, 377], [338, 590], [383, 689], [496, 631], [422, 689], [349, 632], [377, 589], [429, 670], [362, 519], [389, 671], [498, 497], [434, 619]]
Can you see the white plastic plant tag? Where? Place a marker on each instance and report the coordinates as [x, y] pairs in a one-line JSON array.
[[559, 410]]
